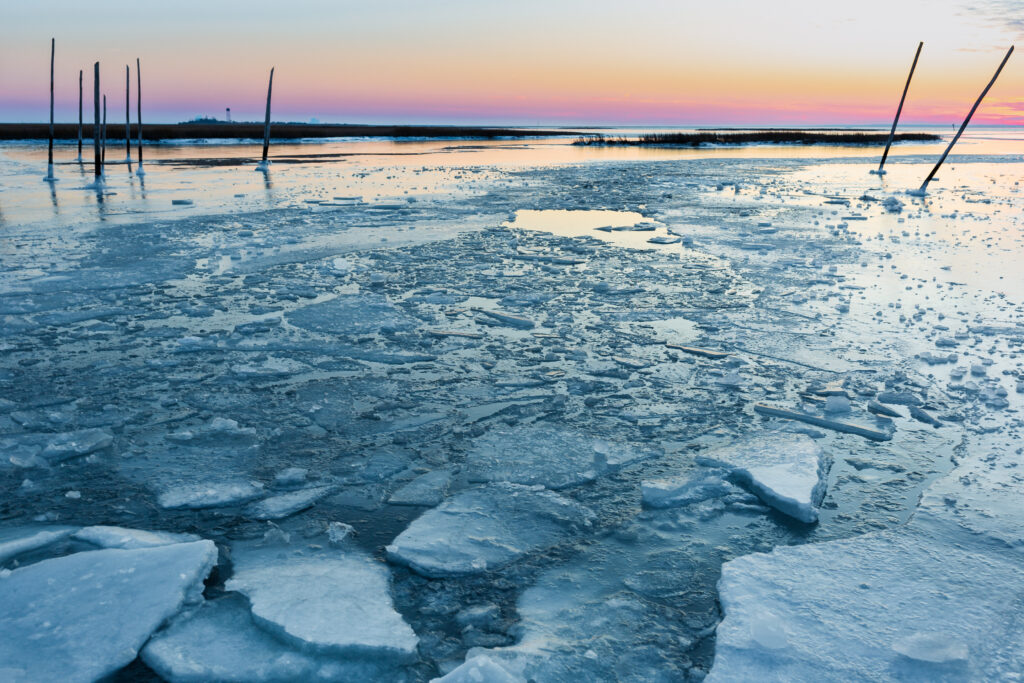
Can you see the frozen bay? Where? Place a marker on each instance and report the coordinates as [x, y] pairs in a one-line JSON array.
[[308, 381]]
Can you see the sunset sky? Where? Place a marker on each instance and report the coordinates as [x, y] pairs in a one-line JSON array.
[[569, 62]]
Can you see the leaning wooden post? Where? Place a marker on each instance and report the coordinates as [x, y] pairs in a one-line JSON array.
[[138, 100], [892, 133], [79, 115], [924, 185], [127, 120], [103, 134], [49, 159], [264, 165], [97, 162]]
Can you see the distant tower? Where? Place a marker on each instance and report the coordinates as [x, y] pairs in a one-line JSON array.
[[229, 114]]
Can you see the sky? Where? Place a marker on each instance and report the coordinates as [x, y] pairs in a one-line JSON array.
[[529, 62]]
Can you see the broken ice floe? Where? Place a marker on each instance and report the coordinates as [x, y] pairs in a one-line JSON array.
[[903, 602], [86, 615], [220, 642], [486, 528], [209, 494], [286, 504], [552, 457], [327, 602], [786, 471]]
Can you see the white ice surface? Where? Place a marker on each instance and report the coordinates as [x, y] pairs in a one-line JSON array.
[[679, 491], [209, 494], [84, 616], [898, 605], [786, 471], [538, 454], [329, 602], [20, 540], [130, 539], [219, 642], [352, 315], [286, 504], [427, 489], [480, 669], [486, 528]]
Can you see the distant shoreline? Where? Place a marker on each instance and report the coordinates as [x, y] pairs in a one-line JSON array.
[[278, 131], [751, 137]]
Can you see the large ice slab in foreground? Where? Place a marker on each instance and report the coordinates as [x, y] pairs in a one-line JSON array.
[[539, 454], [486, 528], [220, 642], [337, 602], [787, 471], [84, 616], [900, 605]]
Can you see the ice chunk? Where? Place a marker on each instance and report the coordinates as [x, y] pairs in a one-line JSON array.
[[209, 494], [486, 528], [427, 489], [552, 457], [895, 605], [286, 504], [291, 476], [20, 540], [353, 315], [786, 471], [130, 539], [931, 647], [663, 493], [336, 602], [84, 616], [218, 431], [220, 642], [480, 669], [74, 444]]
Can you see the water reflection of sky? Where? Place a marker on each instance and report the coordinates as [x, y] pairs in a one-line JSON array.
[[219, 177]]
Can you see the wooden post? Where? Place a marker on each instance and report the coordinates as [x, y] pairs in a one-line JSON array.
[[97, 163], [103, 134], [138, 99], [49, 159], [79, 115], [264, 165], [127, 119], [892, 133], [924, 185]]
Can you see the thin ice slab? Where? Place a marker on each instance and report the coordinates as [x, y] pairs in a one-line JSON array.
[[901, 605], [486, 528], [552, 457], [220, 642], [21, 540], [84, 616], [337, 602], [130, 539], [786, 471]]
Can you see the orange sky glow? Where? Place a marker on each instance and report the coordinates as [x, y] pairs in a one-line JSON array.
[[646, 62]]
